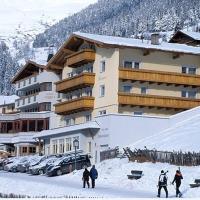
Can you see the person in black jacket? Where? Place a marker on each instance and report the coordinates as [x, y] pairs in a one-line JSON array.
[[86, 175], [177, 178], [93, 175], [162, 183]]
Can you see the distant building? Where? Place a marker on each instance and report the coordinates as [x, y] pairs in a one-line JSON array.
[[186, 37], [7, 104]]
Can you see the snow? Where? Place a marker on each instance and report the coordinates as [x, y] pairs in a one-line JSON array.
[[138, 43], [91, 125], [112, 181], [8, 99], [183, 134]]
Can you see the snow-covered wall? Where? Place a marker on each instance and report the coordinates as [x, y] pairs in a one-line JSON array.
[[120, 130]]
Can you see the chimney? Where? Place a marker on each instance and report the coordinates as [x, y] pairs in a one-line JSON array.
[[155, 38]]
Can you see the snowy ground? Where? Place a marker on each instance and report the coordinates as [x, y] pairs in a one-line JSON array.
[[112, 182]]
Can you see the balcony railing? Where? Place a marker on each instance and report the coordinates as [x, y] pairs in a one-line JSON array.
[[159, 77], [76, 82], [75, 105], [157, 101], [81, 57]]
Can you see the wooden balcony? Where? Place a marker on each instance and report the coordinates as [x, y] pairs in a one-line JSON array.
[[76, 82], [81, 57], [75, 105], [157, 101], [159, 77]]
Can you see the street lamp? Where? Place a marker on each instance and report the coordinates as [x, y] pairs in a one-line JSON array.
[[76, 144]]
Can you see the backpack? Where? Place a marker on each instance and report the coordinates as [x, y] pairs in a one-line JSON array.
[[162, 180]]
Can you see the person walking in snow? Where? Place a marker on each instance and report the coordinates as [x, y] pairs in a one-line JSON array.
[[162, 183], [177, 179], [86, 175], [93, 175]]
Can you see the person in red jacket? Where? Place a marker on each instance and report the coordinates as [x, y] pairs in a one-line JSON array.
[[177, 178]]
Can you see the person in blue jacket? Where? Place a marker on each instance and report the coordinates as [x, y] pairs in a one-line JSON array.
[[93, 175]]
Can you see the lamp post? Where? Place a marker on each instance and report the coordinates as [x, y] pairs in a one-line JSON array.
[[76, 144]]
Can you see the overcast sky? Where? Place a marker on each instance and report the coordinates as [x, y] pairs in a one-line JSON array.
[[27, 13]]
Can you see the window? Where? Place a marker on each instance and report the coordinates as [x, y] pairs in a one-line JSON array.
[[102, 91], [29, 99], [34, 98], [32, 150], [23, 102], [29, 80], [61, 146], [188, 94], [73, 121], [131, 64], [88, 118], [18, 84], [102, 112], [35, 78], [18, 103], [143, 90], [183, 94], [138, 113], [192, 94], [24, 149], [102, 66], [55, 146], [136, 65], [127, 64], [191, 70], [89, 93], [127, 88], [67, 121], [188, 70], [68, 144], [24, 83]]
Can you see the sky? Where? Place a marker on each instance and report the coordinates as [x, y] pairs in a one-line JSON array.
[[25, 14]]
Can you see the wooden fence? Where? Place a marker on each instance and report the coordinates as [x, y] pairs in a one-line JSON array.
[[175, 158], [109, 154]]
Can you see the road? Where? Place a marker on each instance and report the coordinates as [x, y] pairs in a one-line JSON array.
[[66, 185]]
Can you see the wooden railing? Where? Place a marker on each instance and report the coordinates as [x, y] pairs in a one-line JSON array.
[[81, 57], [157, 101], [83, 80], [154, 76], [75, 105]]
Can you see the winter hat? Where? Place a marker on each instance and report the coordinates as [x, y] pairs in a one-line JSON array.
[[162, 171]]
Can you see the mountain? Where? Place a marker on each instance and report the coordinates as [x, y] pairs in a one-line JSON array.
[[20, 22], [124, 18]]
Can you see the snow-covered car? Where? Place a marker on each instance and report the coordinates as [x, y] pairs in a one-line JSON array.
[[12, 167], [67, 164], [41, 167], [31, 161]]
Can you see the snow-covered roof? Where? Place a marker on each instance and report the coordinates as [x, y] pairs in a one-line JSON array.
[[5, 100], [77, 127], [17, 138], [138, 43], [194, 35]]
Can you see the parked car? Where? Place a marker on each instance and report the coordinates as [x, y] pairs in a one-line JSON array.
[[67, 164], [31, 161], [12, 167], [41, 167]]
